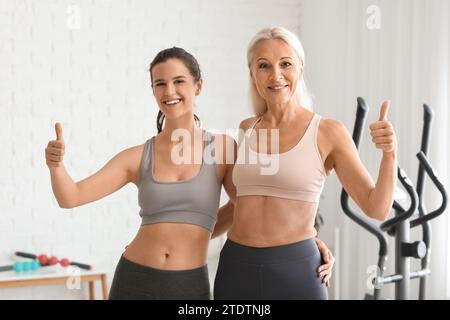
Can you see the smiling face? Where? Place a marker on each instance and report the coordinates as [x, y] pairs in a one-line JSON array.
[[275, 70], [174, 88]]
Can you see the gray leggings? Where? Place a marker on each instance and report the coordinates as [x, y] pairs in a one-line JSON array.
[[281, 272], [137, 282]]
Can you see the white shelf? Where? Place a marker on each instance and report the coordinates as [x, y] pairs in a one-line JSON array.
[[47, 273]]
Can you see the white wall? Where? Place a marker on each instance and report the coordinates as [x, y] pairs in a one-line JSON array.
[[93, 78]]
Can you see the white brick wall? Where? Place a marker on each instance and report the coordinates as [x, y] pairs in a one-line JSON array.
[[94, 80]]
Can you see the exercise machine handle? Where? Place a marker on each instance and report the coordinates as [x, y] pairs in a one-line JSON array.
[[426, 131], [361, 113], [402, 216], [439, 185], [363, 221]]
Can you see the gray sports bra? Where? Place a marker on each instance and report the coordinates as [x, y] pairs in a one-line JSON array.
[[192, 201]]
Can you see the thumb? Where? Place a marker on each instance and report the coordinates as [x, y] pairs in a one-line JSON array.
[[384, 110], [59, 134]]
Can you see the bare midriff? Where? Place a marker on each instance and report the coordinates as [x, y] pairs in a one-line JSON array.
[[263, 221], [169, 246]]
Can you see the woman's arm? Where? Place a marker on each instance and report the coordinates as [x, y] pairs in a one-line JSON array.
[[114, 175], [225, 215], [224, 220], [374, 199]]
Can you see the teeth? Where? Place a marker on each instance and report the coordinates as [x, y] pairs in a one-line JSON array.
[[277, 87], [172, 101]]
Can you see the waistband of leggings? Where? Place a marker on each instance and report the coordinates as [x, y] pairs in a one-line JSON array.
[[133, 266], [289, 252]]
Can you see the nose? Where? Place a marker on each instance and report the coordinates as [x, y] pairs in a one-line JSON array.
[[276, 73], [170, 89]]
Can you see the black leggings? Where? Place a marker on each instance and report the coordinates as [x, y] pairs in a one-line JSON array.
[[281, 272], [137, 282]]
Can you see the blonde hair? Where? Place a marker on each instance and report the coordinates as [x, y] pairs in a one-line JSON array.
[[258, 104]]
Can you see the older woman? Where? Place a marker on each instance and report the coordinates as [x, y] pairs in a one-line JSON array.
[[270, 252]]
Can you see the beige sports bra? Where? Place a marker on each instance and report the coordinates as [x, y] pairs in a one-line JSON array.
[[297, 174]]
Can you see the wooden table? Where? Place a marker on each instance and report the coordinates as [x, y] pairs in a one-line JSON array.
[[47, 276]]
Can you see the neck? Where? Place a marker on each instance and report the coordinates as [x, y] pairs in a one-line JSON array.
[[283, 112], [180, 128]]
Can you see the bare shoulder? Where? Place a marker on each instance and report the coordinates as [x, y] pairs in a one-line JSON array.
[[331, 127], [221, 137], [246, 123], [131, 158], [223, 143], [332, 131], [224, 152], [134, 151], [332, 138]]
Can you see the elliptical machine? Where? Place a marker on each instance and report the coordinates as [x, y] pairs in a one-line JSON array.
[[406, 217]]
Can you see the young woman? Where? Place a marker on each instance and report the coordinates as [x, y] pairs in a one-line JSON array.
[[270, 252], [179, 201]]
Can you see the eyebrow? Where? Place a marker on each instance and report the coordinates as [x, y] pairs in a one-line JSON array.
[[280, 59], [174, 78]]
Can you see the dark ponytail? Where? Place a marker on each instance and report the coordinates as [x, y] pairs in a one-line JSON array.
[[189, 61], [161, 117]]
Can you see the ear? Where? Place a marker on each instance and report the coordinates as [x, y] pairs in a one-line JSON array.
[[252, 78], [199, 87]]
